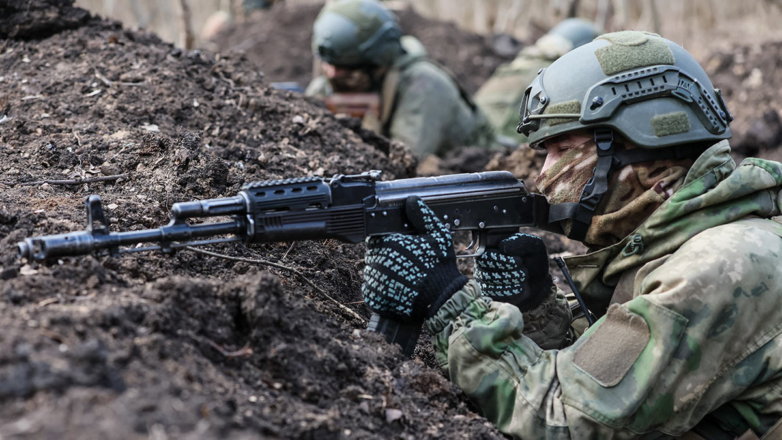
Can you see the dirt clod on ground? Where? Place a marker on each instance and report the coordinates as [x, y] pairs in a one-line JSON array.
[[279, 40], [38, 18], [751, 83], [186, 345]]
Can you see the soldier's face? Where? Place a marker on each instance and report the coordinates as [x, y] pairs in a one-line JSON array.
[[558, 146], [347, 80]]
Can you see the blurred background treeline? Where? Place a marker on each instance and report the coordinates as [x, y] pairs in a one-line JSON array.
[[739, 43], [692, 23]]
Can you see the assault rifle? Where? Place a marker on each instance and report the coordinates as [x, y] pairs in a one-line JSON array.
[[492, 205]]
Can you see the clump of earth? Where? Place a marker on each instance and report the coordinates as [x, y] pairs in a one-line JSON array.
[[751, 83]]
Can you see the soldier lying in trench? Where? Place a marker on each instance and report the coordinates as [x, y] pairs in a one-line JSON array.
[[685, 268]]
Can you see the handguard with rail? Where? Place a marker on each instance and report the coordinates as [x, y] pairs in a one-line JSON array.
[[492, 205]]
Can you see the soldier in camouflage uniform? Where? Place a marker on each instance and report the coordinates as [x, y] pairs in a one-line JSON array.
[[685, 268], [500, 96], [361, 50]]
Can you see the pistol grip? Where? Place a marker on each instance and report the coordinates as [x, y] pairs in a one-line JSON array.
[[405, 334]]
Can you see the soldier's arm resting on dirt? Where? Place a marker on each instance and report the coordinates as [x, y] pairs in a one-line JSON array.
[[700, 330]]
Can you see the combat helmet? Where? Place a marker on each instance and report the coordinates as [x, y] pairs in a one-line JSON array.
[[568, 35], [356, 33], [636, 84]]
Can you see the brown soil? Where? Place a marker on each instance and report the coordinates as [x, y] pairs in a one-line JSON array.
[[751, 82], [38, 18], [279, 41], [185, 345]]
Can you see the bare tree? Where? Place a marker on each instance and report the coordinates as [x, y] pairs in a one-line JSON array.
[[187, 38]]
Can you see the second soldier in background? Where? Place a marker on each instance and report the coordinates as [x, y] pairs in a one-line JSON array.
[[373, 72], [500, 96]]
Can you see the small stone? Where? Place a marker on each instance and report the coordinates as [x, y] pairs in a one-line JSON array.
[[28, 270], [298, 119], [393, 414], [131, 77], [108, 169]]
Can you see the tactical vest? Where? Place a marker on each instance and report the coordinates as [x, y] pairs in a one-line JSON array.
[[389, 91]]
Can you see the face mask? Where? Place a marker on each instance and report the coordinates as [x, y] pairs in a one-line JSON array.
[[564, 181], [634, 191]]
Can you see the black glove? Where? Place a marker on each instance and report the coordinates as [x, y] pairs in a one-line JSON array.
[[411, 276], [517, 273]]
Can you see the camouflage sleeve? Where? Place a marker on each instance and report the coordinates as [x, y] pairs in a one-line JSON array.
[[548, 325], [702, 329], [319, 87]]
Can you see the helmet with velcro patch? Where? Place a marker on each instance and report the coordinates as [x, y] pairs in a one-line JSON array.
[[356, 33], [634, 84], [645, 87]]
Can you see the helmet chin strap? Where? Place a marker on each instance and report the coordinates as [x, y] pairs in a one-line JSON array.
[[609, 160]]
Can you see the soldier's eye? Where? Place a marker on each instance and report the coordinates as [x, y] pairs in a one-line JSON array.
[[564, 147]]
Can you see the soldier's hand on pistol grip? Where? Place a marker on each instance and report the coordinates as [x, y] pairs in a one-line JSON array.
[[516, 273], [411, 276]]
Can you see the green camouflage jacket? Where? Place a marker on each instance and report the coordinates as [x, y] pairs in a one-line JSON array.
[[692, 316], [500, 96], [427, 109]]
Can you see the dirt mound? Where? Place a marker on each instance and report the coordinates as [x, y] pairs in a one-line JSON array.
[[38, 18], [185, 345], [751, 84], [279, 41]]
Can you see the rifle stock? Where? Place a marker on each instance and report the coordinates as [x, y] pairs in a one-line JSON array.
[[492, 205]]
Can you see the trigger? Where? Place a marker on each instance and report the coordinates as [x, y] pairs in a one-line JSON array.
[[473, 240], [478, 238]]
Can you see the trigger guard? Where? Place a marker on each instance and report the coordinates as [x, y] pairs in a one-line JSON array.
[[481, 242]]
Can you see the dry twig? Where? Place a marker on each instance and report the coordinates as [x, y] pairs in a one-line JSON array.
[[102, 78], [48, 301], [280, 266], [242, 352], [53, 335], [76, 181], [288, 251]]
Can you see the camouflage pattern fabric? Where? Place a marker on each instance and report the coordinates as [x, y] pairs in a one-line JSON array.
[[500, 96], [700, 333], [634, 192], [430, 114]]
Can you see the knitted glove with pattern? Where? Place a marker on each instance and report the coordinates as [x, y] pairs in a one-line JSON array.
[[411, 276], [517, 273]]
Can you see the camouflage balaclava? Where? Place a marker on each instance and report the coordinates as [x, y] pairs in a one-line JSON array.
[[635, 191]]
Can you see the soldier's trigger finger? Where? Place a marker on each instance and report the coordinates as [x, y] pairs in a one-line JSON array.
[[530, 248], [423, 219]]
